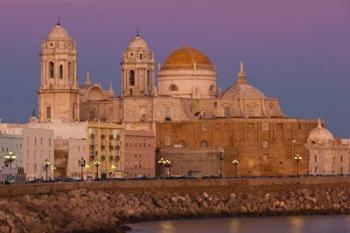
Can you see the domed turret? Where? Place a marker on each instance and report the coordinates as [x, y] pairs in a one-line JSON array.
[[320, 134], [59, 33], [138, 42], [187, 73]]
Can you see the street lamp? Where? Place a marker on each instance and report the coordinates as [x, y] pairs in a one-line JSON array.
[[297, 158], [235, 163], [97, 164], [9, 158], [221, 157], [82, 163], [46, 165], [160, 165], [167, 164], [293, 142]]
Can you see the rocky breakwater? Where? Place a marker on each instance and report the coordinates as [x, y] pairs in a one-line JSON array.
[[104, 211]]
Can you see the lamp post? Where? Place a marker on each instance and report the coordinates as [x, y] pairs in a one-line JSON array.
[[160, 166], [293, 142], [46, 165], [221, 158], [10, 157], [82, 163], [97, 164], [167, 164], [297, 158], [235, 163]]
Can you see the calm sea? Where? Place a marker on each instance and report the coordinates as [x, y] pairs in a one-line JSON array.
[[293, 224]]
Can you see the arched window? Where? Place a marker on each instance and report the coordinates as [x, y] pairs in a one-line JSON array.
[[167, 113], [70, 71], [211, 88], [204, 143], [173, 87], [52, 69], [48, 112], [131, 78], [141, 56], [73, 112], [227, 111], [61, 71]]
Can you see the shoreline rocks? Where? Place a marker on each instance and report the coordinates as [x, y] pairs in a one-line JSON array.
[[83, 211]]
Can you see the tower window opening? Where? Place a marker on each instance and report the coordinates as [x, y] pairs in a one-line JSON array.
[[48, 112], [51, 69], [131, 78], [69, 70], [61, 71], [173, 87], [141, 56]]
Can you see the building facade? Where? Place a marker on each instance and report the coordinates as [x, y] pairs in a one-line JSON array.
[[140, 149], [105, 144], [248, 124], [328, 155], [32, 147]]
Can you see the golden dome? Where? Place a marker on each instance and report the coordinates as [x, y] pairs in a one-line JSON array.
[[187, 57]]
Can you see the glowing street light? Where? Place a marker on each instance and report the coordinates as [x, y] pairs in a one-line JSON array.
[[298, 158], [10, 157], [235, 163], [97, 164]]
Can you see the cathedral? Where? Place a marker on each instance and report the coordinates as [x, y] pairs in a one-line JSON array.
[[185, 89], [197, 125]]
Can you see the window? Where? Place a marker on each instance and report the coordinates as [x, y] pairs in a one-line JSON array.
[[52, 69], [35, 141], [131, 78], [173, 87], [49, 142], [227, 111], [48, 112], [167, 113], [141, 56], [41, 141], [315, 158], [70, 71], [341, 170], [73, 112], [316, 170], [61, 71], [341, 159], [211, 88], [204, 143]]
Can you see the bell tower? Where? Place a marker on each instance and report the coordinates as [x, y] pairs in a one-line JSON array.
[[137, 66], [58, 92]]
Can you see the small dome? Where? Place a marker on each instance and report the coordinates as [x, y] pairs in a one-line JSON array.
[[242, 91], [59, 33], [138, 42], [320, 134], [186, 57]]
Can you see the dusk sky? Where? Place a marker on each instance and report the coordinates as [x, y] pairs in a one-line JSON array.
[[297, 51]]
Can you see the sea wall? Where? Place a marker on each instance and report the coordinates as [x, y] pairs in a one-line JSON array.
[[103, 206]]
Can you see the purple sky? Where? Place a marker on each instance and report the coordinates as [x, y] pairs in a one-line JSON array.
[[298, 51]]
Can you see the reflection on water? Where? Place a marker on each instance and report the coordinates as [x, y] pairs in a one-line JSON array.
[[296, 223], [292, 224]]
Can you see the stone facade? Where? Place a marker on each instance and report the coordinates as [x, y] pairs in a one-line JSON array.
[[139, 149], [58, 92], [263, 147]]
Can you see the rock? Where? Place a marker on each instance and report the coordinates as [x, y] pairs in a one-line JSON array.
[[4, 229]]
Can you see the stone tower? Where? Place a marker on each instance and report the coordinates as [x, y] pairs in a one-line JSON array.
[[137, 66], [58, 92]]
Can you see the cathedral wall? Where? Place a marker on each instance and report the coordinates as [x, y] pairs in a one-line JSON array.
[[262, 146]]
